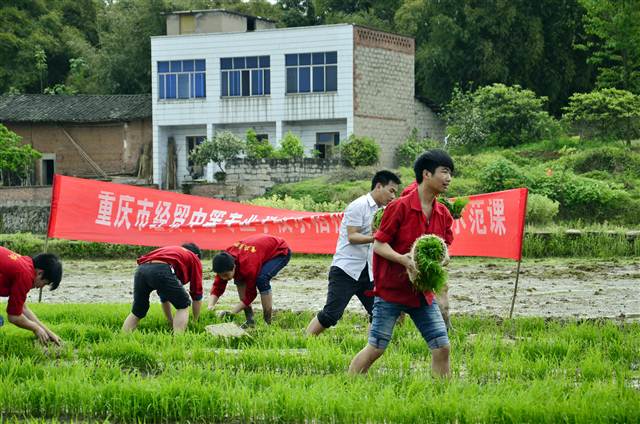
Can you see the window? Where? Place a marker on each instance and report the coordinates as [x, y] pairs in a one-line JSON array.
[[245, 76], [193, 142], [325, 143], [312, 72], [181, 79], [262, 137]]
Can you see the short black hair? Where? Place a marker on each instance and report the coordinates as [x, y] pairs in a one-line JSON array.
[[51, 268], [430, 160], [384, 177], [193, 248], [223, 262]]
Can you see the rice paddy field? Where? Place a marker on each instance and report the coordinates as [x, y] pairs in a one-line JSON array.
[[522, 370]]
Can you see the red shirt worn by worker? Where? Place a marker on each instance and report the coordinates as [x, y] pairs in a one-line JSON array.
[[185, 264], [408, 189], [250, 254], [402, 223], [16, 279]]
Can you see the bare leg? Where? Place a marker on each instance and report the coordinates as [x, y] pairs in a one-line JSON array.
[[314, 328], [267, 306], [443, 303], [364, 359], [440, 362], [130, 323], [248, 311], [180, 320], [166, 308]]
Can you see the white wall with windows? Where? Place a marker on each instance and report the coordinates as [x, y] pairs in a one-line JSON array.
[[276, 78], [312, 132]]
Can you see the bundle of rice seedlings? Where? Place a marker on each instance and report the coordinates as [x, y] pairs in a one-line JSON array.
[[377, 219], [457, 207], [429, 253]]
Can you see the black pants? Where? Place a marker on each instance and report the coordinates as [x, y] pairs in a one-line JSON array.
[[341, 289], [160, 277]]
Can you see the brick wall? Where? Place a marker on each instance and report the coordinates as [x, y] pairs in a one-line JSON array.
[[32, 196], [114, 147], [383, 89], [247, 179], [427, 122]]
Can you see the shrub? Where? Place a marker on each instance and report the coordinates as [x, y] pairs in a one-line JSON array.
[[359, 151], [257, 149], [290, 147], [413, 147], [608, 113], [502, 174], [541, 209], [305, 203], [223, 147], [15, 158], [498, 115], [609, 158]]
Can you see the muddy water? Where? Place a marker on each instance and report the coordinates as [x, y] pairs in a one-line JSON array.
[[548, 288]]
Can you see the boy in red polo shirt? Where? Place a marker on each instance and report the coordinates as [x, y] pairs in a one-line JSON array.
[[18, 275], [166, 270], [251, 263], [404, 220]]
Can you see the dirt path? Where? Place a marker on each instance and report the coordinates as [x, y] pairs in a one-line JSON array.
[[549, 288]]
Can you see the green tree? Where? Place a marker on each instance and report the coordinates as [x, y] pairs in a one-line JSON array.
[[608, 113], [359, 151], [256, 148], [223, 147], [615, 46], [16, 159], [290, 147]]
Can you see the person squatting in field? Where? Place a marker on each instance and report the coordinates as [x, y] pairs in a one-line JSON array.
[[405, 219], [351, 271], [166, 270], [18, 275], [251, 263]]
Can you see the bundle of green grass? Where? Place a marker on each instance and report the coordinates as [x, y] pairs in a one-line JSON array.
[[377, 219], [429, 254]]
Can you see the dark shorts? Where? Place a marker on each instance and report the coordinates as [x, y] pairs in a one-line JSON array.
[[341, 289], [160, 277]]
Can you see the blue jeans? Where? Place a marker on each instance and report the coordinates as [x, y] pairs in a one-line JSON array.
[[270, 269], [427, 319]]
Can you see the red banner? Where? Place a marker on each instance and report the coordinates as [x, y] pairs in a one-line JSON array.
[[92, 210]]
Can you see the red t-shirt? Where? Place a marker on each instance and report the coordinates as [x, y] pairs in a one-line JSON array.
[[408, 189], [402, 223], [250, 254], [16, 279], [185, 263]]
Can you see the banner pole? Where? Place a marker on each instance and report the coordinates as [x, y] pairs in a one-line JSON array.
[[46, 244], [515, 289], [46, 238]]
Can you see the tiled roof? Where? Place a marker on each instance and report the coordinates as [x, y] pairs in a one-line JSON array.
[[78, 108]]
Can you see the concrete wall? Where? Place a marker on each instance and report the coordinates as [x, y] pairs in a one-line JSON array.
[[277, 107], [384, 84], [428, 124], [31, 196], [248, 179], [24, 219], [114, 147]]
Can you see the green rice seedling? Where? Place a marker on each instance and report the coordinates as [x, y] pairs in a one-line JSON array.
[[377, 219], [456, 208], [428, 253]]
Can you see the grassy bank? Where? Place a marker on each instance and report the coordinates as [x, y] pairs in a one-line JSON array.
[[526, 370], [538, 243]]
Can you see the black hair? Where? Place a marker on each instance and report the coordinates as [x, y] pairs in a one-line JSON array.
[[223, 262], [384, 177], [51, 268], [192, 247], [430, 160]]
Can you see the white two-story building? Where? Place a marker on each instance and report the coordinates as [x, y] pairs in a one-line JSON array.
[[218, 70]]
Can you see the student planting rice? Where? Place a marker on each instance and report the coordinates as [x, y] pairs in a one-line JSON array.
[[166, 270], [405, 220], [351, 271], [251, 263], [18, 275]]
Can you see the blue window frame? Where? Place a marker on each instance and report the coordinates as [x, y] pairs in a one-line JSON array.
[[182, 79], [245, 76], [311, 72]]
